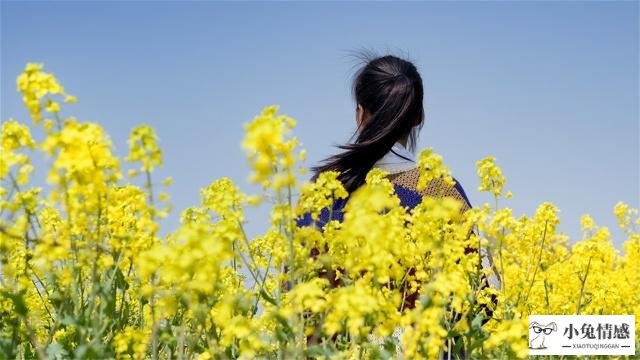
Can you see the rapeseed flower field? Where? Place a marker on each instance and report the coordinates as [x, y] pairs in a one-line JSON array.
[[85, 274]]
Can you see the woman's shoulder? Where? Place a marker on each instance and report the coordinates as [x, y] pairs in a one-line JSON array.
[[406, 186], [406, 183]]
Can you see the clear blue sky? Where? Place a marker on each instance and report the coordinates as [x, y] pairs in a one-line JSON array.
[[549, 88]]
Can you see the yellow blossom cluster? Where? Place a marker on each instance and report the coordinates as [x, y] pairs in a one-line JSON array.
[[36, 85], [270, 150], [143, 147], [433, 167], [491, 178]]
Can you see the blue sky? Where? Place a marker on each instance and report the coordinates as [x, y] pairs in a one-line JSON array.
[[548, 88]]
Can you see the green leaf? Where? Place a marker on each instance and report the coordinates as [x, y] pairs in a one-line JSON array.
[[476, 323], [267, 297], [18, 301], [55, 351], [319, 350], [390, 344]]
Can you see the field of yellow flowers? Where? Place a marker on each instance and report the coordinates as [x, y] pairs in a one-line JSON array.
[[84, 273]]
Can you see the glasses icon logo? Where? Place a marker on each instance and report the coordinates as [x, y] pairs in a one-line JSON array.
[[538, 332]]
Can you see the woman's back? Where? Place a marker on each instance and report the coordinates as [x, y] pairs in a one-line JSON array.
[[405, 186], [404, 174]]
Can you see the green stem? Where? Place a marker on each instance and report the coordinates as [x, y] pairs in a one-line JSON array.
[[583, 281], [535, 271], [149, 186]]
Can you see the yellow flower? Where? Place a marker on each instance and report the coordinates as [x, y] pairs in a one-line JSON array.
[[587, 223], [269, 148], [320, 194], [15, 136], [34, 85], [143, 147], [512, 334], [625, 214], [52, 106], [309, 295], [131, 342], [491, 178], [432, 167], [167, 181]]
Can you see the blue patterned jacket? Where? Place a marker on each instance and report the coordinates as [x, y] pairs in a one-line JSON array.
[[405, 185]]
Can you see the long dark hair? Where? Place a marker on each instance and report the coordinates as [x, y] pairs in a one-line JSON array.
[[390, 91]]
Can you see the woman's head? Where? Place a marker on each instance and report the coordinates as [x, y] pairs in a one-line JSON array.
[[388, 94]]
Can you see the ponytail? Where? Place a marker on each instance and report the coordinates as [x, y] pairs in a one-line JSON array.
[[390, 90]]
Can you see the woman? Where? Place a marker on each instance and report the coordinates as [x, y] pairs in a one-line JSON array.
[[389, 114]]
